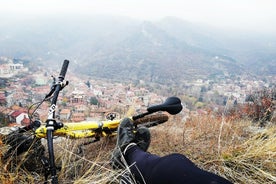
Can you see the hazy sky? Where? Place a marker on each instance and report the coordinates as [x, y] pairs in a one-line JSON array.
[[243, 14]]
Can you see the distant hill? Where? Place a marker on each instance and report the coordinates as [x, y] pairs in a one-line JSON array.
[[151, 54], [169, 50]]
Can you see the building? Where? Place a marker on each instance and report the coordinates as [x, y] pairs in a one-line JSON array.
[[10, 69]]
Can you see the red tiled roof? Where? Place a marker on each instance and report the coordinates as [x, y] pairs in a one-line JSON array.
[[16, 113]]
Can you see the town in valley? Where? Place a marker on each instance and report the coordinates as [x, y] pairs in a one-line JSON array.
[[86, 99]]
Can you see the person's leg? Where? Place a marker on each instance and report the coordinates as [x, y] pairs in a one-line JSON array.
[[140, 163], [174, 169], [149, 168]]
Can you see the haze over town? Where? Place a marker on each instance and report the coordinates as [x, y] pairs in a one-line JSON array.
[[246, 15]]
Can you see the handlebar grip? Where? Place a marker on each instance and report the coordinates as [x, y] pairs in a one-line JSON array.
[[64, 69]]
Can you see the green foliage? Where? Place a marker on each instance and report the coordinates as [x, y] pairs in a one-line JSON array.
[[94, 101], [3, 120]]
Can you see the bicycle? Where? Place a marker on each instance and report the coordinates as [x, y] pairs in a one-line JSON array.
[[87, 129]]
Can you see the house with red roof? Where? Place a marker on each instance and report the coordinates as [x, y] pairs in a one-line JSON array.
[[17, 116]]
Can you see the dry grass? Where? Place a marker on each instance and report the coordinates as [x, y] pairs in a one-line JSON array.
[[233, 149], [236, 150], [89, 166]]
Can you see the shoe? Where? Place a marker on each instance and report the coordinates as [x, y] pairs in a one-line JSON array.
[[143, 138], [125, 134], [125, 139]]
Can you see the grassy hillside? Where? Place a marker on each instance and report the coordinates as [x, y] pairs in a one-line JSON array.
[[235, 149]]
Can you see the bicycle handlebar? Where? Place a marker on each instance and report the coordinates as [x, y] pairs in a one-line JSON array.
[[64, 69]]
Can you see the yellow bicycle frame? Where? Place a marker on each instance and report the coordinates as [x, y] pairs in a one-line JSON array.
[[83, 129], [96, 129]]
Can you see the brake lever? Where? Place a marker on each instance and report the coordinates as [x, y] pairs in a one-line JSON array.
[[53, 88]]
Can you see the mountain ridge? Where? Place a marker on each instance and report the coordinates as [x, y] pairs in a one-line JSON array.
[[164, 51]]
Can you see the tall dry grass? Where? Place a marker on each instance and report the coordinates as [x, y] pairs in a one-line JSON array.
[[235, 149]]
